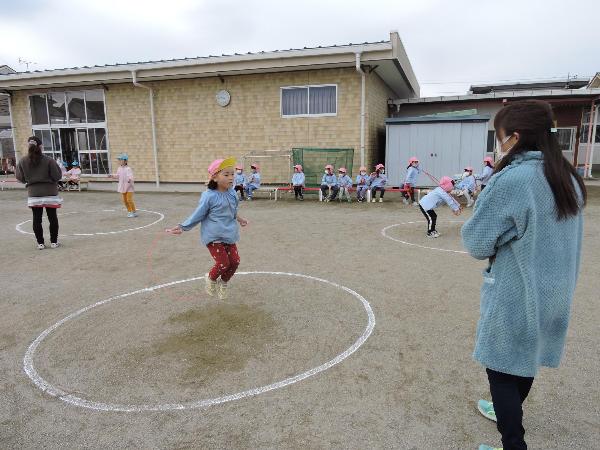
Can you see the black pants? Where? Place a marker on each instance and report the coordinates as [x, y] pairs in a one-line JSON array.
[[298, 192], [240, 187], [380, 189], [37, 224], [334, 191], [431, 217], [508, 394]]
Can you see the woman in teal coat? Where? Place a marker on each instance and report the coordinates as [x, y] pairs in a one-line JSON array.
[[528, 224]]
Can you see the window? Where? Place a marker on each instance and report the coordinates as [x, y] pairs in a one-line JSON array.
[[309, 101], [76, 107], [39, 110], [491, 141], [57, 108], [71, 126], [566, 139], [94, 104]]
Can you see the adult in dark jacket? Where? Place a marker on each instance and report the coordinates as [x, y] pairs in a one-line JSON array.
[[41, 175]]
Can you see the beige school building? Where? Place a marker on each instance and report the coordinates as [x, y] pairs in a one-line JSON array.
[[174, 117]]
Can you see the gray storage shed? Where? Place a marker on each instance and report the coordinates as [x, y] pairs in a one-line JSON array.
[[445, 145]]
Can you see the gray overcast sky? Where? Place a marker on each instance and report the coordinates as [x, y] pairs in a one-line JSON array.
[[451, 44]]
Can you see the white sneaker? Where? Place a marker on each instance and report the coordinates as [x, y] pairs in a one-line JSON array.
[[380, 200], [210, 287], [54, 245], [405, 201], [415, 204], [41, 246], [374, 200], [222, 290], [436, 234], [470, 204]]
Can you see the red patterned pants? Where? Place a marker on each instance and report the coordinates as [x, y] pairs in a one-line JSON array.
[[226, 259]]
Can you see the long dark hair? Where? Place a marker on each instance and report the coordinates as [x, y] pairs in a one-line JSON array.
[[533, 120], [34, 152]]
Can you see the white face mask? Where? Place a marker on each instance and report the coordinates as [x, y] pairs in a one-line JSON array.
[[363, 173], [239, 172], [498, 150]]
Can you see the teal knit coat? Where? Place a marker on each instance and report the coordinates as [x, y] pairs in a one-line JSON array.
[[528, 287]]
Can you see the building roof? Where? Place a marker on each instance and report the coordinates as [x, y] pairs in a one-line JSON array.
[[595, 81], [5, 70], [544, 94], [438, 118], [387, 58], [558, 83]]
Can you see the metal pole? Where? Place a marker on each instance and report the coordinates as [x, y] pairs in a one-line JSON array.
[[153, 120], [362, 109], [589, 140], [593, 142]]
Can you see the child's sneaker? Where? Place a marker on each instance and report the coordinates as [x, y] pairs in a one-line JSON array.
[[487, 447], [210, 287], [130, 215], [222, 290], [415, 204], [374, 200], [41, 247], [436, 234], [54, 245], [405, 201], [380, 200], [487, 409]]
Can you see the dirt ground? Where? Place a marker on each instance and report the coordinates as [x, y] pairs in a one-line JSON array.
[[412, 385]]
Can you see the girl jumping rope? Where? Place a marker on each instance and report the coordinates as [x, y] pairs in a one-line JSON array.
[[124, 176], [412, 173], [436, 198], [217, 214]]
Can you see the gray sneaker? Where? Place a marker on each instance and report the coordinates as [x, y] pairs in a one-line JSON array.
[[222, 290], [210, 287]]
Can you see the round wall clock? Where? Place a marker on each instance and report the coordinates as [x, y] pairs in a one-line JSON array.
[[223, 98]]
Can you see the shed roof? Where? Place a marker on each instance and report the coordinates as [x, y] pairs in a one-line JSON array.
[[438, 118]]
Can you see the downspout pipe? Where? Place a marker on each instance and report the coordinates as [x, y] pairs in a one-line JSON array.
[[595, 108], [12, 125], [362, 108], [153, 119]]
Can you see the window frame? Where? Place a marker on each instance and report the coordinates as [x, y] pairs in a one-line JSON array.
[[307, 87], [573, 138], [87, 125]]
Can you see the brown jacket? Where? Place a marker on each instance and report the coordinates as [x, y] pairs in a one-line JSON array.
[[41, 180]]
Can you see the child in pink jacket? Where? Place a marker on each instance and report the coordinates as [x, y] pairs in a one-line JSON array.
[[124, 176]]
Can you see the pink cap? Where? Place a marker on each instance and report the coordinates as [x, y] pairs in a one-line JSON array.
[[298, 166], [239, 167], [446, 184], [469, 169], [342, 169], [362, 168], [219, 164], [379, 166], [488, 159], [413, 159], [329, 166]]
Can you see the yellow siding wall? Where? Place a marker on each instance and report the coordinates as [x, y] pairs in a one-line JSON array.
[[378, 94], [192, 130]]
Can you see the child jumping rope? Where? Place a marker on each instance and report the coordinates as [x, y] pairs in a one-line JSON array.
[[436, 198], [410, 182], [298, 182], [239, 180], [124, 176], [467, 186], [74, 175], [217, 214], [362, 184], [345, 183], [377, 182], [488, 171]]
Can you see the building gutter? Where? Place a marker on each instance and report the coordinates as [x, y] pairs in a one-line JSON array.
[[362, 107], [12, 125], [153, 120]]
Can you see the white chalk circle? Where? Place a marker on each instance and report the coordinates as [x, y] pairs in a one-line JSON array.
[[100, 233], [384, 233], [54, 391]]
